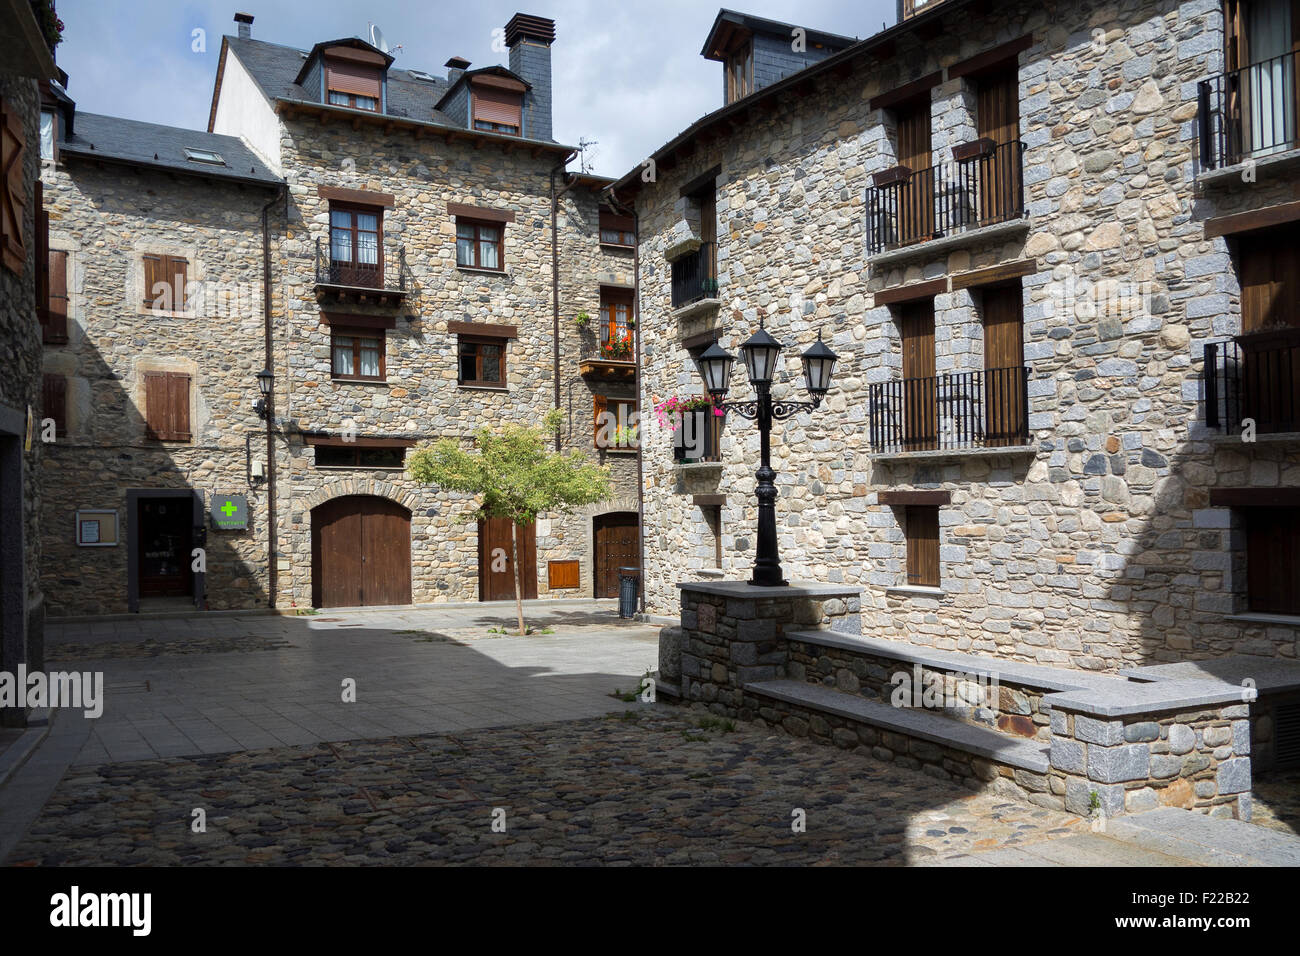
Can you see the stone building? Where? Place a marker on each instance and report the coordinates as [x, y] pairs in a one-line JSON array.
[[26, 65], [382, 242], [1054, 247]]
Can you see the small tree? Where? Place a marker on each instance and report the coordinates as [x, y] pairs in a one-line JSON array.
[[515, 477]]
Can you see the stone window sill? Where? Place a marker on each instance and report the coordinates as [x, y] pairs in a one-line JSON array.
[[483, 388], [915, 592], [622, 451], [481, 271], [1221, 438], [347, 380], [699, 467], [1233, 173], [1283, 620], [698, 307]]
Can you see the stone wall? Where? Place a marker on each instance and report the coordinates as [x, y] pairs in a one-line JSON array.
[[1096, 547]]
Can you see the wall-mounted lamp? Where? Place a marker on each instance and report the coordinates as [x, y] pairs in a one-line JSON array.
[[264, 382]]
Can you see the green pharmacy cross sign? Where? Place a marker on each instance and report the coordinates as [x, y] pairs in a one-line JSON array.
[[229, 512]]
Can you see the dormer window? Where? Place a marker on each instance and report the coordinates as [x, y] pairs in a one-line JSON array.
[[354, 78], [740, 72], [497, 104]]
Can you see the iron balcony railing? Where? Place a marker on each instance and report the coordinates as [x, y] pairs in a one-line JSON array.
[[388, 273], [695, 276], [699, 436], [1255, 378], [987, 409], [985, 187], [1248, 113]]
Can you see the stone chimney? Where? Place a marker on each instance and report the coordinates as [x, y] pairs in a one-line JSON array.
[[245, 21], [456, 68], [529, 39]]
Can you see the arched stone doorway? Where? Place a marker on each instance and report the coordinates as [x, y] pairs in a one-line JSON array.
[[360, 552]]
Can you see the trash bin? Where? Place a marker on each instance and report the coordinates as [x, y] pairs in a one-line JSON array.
[[628, 579]]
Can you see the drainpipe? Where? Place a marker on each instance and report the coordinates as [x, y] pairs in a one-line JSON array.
[[636, 337], [555, 272], [273, 568]]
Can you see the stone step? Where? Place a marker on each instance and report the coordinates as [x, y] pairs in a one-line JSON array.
[[924, 725], [1037, 676], [1210, 841]]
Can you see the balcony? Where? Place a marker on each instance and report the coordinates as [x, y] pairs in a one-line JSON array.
[[955, 411], [1254, 378], [983, 186], [695, 276], [362, 283], [1248, 113], [611, 359], [698, 438]]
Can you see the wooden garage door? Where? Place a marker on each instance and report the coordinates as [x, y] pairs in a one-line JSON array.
[[617, 547], [361, 553], [496, 565]]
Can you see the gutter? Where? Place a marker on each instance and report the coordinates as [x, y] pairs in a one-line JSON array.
[[555, 272], [273, 567]]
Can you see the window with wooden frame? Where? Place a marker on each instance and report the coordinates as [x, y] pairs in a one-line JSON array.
[[616, 230], [921, 528], [616, 424], [13, 188], [740, 72], [165, 279], [49, 134], [1273, 560], [352, 82], [357, 354], [356, 245], [496, 103], [167, 405], [616, 324], [479, 245], [482, 361], [54, 402], [354, 456]]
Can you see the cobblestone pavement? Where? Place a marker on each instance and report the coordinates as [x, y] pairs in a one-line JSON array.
[[652, 788], [1277, 802]]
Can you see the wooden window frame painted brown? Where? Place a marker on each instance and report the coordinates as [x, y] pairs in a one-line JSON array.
[[353, 209], [357, 333], [478, 381], [54, 391], [54, 318], [500, 243], [603, 405], [1260, 523], [745, 51]]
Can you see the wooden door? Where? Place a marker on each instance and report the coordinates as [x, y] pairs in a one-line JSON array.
[[1004, 358], [916, 194], [1273, 560], [617, 546], [922, 531], [997, 113], [164, 537], [1269, 270], [496, 560], [361, 552], [920, 408]]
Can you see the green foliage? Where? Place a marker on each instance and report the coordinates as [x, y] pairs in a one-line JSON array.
[[513, 472]]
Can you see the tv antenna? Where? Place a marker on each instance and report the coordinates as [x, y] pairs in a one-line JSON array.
[[586, 154]]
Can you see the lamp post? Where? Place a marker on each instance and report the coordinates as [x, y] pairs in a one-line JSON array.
[[264, 382], [760, 354]]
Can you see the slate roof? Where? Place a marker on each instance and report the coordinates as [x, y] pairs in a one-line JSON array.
[[148, 144], [274, 68]]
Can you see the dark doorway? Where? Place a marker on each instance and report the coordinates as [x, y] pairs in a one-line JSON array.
[[360, 553], [496, 562], [616, 546], [166, 535]]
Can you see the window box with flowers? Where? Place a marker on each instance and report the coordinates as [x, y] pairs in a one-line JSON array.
[[696, 423]]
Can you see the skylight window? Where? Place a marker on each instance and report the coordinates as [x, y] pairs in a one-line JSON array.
[[204, 156], [421, 75]]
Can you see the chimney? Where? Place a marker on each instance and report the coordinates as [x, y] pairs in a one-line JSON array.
[[456, 68], [529, 39], [245, 21]]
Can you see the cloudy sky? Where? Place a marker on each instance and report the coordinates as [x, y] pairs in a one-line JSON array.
[[627, 74]]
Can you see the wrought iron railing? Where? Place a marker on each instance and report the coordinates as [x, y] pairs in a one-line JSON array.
[[698, 436], [986, 187], [1248, 113], [388, 273], [1255, 378], [695, 276], [987, 409], [619, 348]]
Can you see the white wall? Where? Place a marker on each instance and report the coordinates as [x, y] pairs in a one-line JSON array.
[[244, 111]]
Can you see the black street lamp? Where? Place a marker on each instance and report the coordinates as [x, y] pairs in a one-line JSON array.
[[264, 382], [760, 355]]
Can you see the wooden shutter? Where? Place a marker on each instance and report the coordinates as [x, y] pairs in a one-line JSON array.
[[1273, 560], [56, 325], [167, 405], [922, 530], [357, 79], [497, 106], [177, 277], [601, 405], [13, 188], [915, 195], [54, 401], [1004, 358], [997, 115], [154, 269], [920, 408], [1269, 270], [562, 574]]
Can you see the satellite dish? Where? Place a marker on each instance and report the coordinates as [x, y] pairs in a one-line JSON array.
[[377, 39]]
